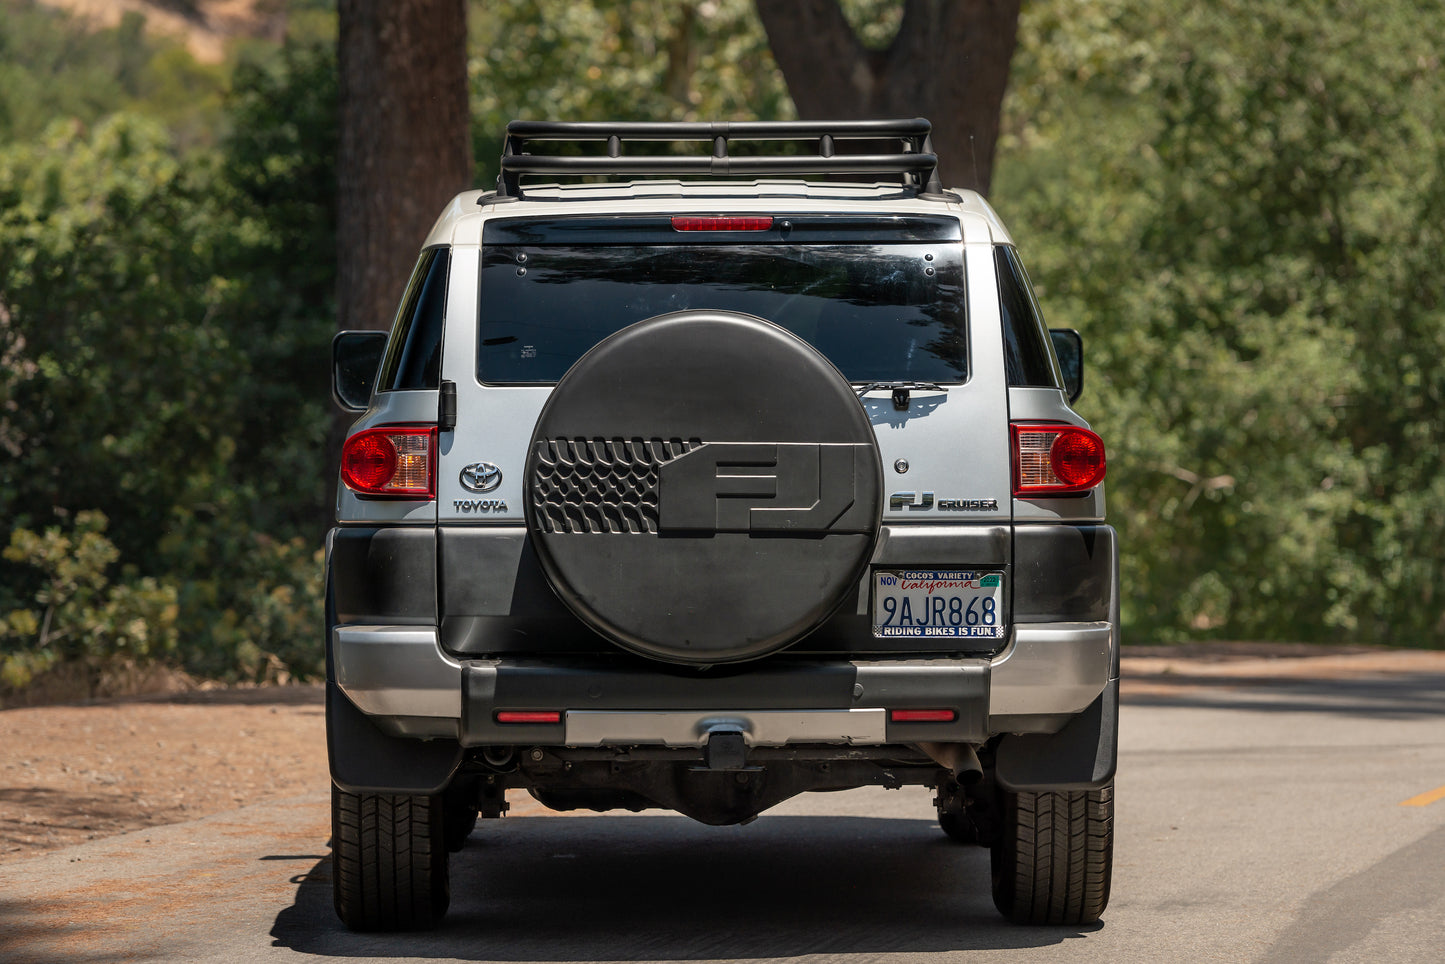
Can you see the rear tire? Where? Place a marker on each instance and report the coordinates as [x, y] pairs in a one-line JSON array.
[[1053, 861], [958, 826], [389, 861], [460, 822]]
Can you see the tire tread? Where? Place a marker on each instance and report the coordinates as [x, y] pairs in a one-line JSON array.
[[389, 861], [1054, 861]]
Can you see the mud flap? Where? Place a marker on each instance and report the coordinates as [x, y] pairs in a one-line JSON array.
[[1081, 756], [365, 760]]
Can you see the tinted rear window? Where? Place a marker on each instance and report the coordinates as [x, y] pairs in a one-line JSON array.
[[1027, 360], [881, 309], [413, 357]]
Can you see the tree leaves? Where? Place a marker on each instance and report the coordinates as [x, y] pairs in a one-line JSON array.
[[164, 362], [1232, 229]]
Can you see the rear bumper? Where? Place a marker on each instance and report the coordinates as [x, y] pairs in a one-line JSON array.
[[403, 679], [483, 588]]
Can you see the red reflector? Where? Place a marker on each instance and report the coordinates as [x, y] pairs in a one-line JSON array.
[[1078, 458], [397, 460], [1055, 459], [922, 716], [529, 716], [369, 462], [722, 224]]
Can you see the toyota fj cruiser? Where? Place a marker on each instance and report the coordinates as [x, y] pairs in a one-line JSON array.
[[697, 481]]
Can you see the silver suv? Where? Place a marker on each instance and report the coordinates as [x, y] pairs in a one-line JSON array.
[[691, 482]]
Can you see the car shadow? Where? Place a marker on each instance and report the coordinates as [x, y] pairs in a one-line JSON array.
[[663, 888]]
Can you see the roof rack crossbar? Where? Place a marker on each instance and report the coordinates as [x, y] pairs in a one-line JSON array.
[[915, 163]]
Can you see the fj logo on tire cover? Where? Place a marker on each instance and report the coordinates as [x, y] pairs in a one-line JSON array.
[[760, 487]]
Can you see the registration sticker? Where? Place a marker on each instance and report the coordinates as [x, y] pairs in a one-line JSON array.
[[938, 602]]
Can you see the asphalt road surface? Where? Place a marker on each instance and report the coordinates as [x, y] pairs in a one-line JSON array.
[[1257, 820]]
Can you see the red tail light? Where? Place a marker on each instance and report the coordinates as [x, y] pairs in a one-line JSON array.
[[529, 716], [397, 460], [1054, 459], [722, 224], [922, 716]]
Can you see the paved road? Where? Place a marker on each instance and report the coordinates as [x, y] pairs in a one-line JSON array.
[[1258, 820]]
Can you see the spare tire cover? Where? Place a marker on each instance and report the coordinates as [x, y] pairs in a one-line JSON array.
[[703, 487]]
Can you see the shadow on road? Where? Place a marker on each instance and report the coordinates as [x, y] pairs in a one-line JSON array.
[[1393, 697], [19, 930], [83, 814], [601, 888]]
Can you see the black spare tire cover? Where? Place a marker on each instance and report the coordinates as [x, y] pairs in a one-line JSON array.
[[703, 487]]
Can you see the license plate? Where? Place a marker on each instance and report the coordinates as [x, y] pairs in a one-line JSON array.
[[938, 602]]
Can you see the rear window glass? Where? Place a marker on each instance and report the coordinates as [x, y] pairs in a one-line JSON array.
[[879, 311], [1027, 359], [413, 358]]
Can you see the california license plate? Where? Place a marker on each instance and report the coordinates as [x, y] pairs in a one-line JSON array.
[[938, 602]]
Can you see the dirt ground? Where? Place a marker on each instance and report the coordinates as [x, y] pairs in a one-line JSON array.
[[78, 772], [74, 773]]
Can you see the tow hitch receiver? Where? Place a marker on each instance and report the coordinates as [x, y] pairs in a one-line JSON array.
[[726, 749]]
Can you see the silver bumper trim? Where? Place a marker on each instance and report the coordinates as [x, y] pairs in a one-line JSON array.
[[1048, 669], [759, 727], [1051, 669], [396, 671]]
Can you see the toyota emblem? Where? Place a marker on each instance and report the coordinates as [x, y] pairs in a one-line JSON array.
[[481, 477]]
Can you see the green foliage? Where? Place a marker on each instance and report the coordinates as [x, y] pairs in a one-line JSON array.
[[617, 60], [164, 321], [254, 601], [278, 180], [876, 22], [107, 271], [80, 611], [52, 65], [1239, 206]]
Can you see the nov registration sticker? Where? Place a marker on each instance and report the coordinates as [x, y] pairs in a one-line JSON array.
[[938, 602]]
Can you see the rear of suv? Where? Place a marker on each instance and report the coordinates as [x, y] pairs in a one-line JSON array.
[[701, 480]]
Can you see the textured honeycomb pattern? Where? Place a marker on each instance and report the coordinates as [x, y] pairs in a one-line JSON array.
[[601, 485]]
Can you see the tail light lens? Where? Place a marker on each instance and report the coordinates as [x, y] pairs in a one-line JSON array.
[[922, 716], [722, 223], [529, 716], [397, 460], [1053, 459]]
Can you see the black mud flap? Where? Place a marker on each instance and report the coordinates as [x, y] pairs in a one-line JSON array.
[[366, 760], [1081, 756]]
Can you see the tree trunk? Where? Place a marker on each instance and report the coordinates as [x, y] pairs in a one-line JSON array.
[[949, 63], [405, 150], [405, 147]]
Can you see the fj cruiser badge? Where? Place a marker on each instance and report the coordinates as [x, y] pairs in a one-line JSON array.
[[481, 477], [968, 505], [924, 500]]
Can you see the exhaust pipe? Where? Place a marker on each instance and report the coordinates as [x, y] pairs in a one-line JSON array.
[[958, 758], [500, 757]]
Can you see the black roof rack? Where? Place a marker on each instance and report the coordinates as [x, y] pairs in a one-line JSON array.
[[915, 163]]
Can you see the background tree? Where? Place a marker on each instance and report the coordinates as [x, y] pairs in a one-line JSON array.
[[404, 152], [621, 60], [1239, 204], [948, 61], [166, 286], [404, 147]]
